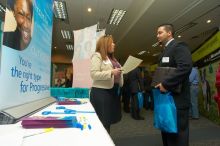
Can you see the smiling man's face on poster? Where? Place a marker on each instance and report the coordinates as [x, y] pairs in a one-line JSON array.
[[20, 38]]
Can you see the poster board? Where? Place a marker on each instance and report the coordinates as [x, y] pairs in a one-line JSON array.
[[26, 54]]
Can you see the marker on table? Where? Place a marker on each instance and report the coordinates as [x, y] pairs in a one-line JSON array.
[[45, 131]]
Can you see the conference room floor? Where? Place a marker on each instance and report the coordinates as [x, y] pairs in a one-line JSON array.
[[129, 132]]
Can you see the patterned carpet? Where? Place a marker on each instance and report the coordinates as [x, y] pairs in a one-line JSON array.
[[129, 132]]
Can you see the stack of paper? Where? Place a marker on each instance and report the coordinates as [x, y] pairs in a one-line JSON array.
[[47, 122]]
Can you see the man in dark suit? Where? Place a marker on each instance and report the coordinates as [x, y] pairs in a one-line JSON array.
[[176, 54], [135, 85]]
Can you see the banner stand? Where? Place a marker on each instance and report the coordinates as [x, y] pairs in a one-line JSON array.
[[14, 114]]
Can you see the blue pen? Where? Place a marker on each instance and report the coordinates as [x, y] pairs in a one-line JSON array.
[[60, 107], [90, 127], [79, 125], [66, 111]]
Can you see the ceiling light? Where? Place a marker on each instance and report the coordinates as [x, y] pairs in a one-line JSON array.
[[208, 21], [141, 53], [185, 27], [116, 16], [66, 34], [156, 44], [69, 47], [179, 36], [155, 54], [2, 8], [2, 11], [89, 9], [60, 10]]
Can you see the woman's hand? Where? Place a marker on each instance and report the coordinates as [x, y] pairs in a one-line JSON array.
[[116, 71]]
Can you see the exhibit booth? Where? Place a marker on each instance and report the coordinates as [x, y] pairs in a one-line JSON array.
[[25, 82]]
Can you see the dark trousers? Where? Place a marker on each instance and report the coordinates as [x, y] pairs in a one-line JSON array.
[[107, 105], [148, 100], [126, 99], [182, 137], [107, 128], [135, 111]]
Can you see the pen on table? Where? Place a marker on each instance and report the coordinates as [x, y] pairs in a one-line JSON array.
[[85, 123], [45, 131], [89, 126]]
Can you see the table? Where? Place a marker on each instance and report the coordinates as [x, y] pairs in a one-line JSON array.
[[96, 136]]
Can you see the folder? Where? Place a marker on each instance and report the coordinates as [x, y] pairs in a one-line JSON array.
[[161, 74]]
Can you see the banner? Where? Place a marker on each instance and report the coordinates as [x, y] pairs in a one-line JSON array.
[[84, 42], [84, 47], [210, 58], [100, 34], [26, 52], [1, 33], [210, 46]]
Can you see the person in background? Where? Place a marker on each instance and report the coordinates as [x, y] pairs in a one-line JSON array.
[[148, 96], [177, 55], [217, 85], [68, 80], [107, 79], [21, 37], [135, 85], [194, 90], [206, 90], [126, 95], [59, 83]]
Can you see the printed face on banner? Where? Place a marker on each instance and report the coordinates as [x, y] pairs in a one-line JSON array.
[[19, 38]]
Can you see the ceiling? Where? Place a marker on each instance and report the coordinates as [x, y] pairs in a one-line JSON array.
[[137, 30]]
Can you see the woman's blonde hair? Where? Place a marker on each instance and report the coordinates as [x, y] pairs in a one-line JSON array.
[[103, 44]]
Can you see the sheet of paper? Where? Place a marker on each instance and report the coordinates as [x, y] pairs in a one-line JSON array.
[[130, 64], [11, 135]]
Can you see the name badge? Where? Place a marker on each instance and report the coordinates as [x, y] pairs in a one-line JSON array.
[[166, 59]]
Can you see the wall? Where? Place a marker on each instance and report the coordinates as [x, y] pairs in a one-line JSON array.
[[207, 105]]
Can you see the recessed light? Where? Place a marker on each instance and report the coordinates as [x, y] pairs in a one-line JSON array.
[[66, 34], [89, 9], [155, 54], [208, 21], [155, 44], [60, 10], [141, 53], [69, 47], [116, 16]]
